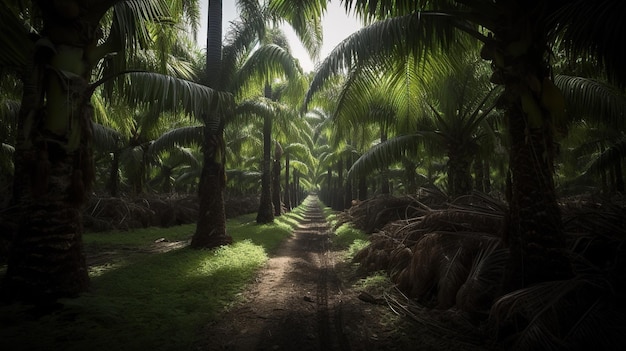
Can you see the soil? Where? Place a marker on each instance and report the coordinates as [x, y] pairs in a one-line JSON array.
[[305, 298]]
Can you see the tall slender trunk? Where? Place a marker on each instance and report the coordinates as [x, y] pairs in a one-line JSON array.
[[276, 181], [362, 187], [114, 177], [211, 226], [409, 171], [337, 191], [534, 231], [296, 188], [53, 164], [486, 177], [459, 177], [384, 173], [266, 209], [329, 187], [287, 196], [479, 176]]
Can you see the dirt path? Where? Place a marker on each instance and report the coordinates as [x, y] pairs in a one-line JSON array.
[[296, 303]]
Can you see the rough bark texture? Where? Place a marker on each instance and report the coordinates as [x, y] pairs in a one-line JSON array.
[[53, 162], [211, 227], [535, 230], [47, 260], [276, 188], [287, 197], [459, 177], [266, 209]]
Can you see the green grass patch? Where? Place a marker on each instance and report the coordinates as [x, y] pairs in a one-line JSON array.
[[136, 238], [153, 302], [350, 238]]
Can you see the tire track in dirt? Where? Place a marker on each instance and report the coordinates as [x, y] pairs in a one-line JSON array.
[[295, 303]]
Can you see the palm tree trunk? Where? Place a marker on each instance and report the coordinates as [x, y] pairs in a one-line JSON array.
[[384, 173], [535, 231], [211, 226], [114, 177], [47, 259], [276, 186], [287, 192], [486, 177], [53, 170], [338, 202], [479, 176], [362, 187], [459, 176], [266, 209]]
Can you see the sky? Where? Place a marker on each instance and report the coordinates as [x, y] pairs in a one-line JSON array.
[[336, 23]]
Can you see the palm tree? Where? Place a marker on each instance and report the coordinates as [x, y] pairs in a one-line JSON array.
[[516, 37], [53, 158], [211, 229]]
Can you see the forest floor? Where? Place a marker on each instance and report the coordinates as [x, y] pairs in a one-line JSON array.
[[307, 297]]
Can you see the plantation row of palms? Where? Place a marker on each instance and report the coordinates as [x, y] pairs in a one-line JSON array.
[[520, 99]]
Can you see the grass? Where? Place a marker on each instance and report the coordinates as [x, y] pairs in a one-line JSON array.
[[152, 302], [349, 238]]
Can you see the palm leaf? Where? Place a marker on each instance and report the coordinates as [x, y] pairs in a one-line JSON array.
[[167, 93], [106, 138], [592, 28], [559, 315], [610, 157], [593, 100], [266, 63], [386, 153], [184, 136], [178, 156], [410, 35], [14, 40], [305, 18]]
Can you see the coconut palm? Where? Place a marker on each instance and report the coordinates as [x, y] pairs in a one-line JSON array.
[[516, 37], [54, 48], [453, 107], [211, 230]]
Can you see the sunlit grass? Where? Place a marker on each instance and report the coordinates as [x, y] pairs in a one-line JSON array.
[[151, 302], [349, 238], [138, 237]]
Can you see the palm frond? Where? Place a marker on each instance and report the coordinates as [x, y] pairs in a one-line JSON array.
[[589, 28], [593, 100], [266, 63], [171, 94], [178, 156], [305, 19], [559, 315], [106, 138], [610, 157], [184, 136], [386, 153], [14, 40], [410, 35]]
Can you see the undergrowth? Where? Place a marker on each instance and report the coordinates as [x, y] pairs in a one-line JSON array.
[[159, 301], [349, 238]]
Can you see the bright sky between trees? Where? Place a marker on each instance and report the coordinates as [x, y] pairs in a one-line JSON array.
[[337, 26]]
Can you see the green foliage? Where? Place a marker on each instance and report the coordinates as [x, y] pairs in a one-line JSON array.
[[158, 301], [347, 236], [137, 238]]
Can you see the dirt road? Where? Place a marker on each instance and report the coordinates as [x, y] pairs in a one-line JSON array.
[[296, 302]]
